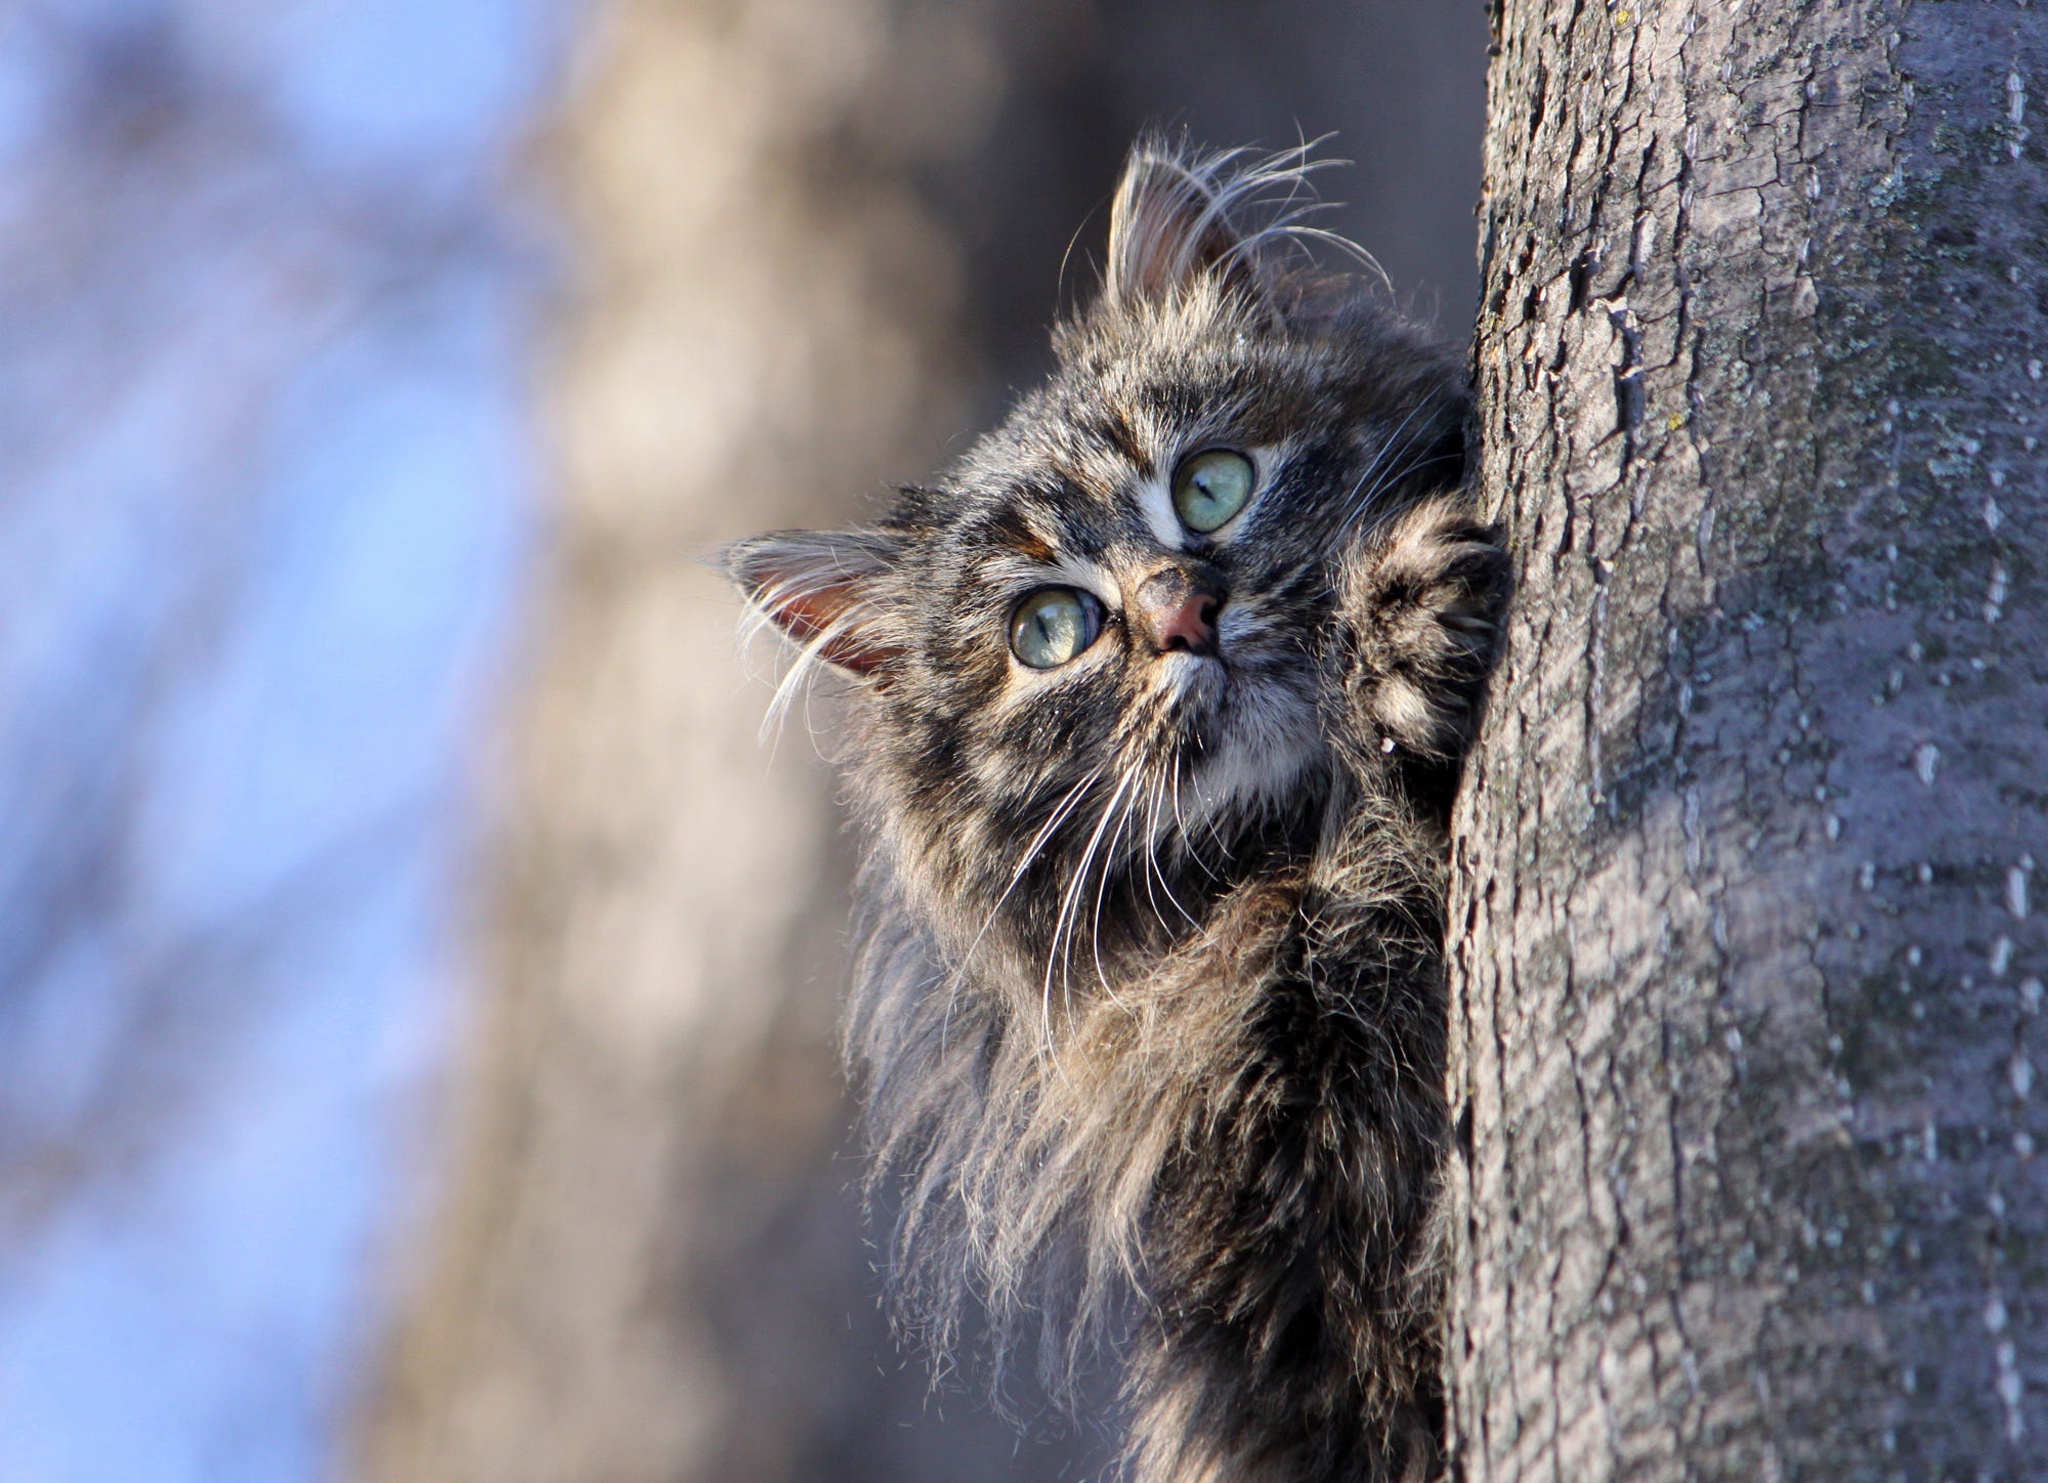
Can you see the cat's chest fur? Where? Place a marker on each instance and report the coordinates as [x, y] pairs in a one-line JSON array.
[[1159, 699]]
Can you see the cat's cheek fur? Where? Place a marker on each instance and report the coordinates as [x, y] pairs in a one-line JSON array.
[[1268, 749]]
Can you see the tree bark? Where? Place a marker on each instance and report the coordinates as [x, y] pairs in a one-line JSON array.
[[1746, 956]]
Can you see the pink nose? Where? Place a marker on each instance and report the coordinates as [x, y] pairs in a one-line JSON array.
[[1175, 609]]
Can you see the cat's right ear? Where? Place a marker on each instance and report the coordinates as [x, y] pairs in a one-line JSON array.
[[821, 588]]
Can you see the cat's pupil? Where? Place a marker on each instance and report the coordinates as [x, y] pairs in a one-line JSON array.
[[1053, 625]]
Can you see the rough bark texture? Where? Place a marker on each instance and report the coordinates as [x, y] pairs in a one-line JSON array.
[[1748, 955]]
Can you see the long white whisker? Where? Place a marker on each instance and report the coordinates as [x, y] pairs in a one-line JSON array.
[[1102, 885], [1069, 901], [1152, 858], [1363, 500], [1181, 824], [1031, 851], [1071, 911], [1393, 448], [1392, 476], [1152, 852]]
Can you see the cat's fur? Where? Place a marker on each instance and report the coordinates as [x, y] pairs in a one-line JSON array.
[[1149, 1011]]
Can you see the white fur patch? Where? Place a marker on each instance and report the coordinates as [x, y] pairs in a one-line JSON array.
[[1154, 494], [1155, 503]]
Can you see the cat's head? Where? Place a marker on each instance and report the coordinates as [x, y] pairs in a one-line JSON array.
[[1092, 656]]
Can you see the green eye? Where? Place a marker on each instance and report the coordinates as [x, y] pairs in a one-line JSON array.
[[1211, 487], [1053, 625]]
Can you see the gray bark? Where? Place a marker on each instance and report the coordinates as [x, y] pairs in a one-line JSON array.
[[1747, 945]]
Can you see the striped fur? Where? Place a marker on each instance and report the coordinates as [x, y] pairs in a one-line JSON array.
[[1149, 1007]]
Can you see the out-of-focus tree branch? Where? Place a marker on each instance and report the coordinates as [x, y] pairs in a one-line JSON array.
[[261, 508]]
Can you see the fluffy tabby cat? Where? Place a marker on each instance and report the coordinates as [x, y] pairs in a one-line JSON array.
[[1161, 695]]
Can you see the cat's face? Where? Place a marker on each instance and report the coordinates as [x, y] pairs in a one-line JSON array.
[[1095, 656]]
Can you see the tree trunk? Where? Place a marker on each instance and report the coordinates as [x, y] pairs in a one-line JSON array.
[[1746, 968]]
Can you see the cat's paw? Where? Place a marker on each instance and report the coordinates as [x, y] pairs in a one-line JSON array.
[[1420, 605]]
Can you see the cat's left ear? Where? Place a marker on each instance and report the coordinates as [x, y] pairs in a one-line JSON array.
[[1173, 223], [822, 588]]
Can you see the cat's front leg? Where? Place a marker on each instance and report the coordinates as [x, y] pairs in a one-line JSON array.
[[1193, 1427], [1419, 607]]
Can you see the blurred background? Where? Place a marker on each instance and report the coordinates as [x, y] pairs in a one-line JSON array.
[[418, 982]]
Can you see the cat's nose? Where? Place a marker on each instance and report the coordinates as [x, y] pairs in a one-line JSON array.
[[1175, 610]]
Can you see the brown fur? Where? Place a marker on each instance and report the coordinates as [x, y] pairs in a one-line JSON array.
[[1149, 1005]]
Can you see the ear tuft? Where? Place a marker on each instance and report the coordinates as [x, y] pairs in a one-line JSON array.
[[820, 588], [1183, 214]]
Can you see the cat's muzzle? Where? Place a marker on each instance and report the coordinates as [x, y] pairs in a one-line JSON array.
[[1174, 609]]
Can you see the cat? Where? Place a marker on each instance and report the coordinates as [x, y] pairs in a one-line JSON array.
[[1158, 701]]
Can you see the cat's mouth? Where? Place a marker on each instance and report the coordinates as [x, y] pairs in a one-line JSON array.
[[1240, 722]]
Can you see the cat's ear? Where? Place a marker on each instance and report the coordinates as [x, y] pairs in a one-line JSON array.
[[1172, 223], [822, 589]]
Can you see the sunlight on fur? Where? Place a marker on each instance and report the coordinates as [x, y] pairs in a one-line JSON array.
[[1148, 1012]]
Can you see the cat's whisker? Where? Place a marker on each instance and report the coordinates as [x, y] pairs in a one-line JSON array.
[[1211, 809], [1152, 856], [1102, 885], [1070, 908], [1187, 837], [1069, 902], [1391, 478], [1151, 842], [1031, 852], [1151, 834], [1394, 475], [1109, 858], [1394, 447]]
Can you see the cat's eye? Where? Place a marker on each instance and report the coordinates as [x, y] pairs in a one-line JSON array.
[[1211, 487], [1053, 625]]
